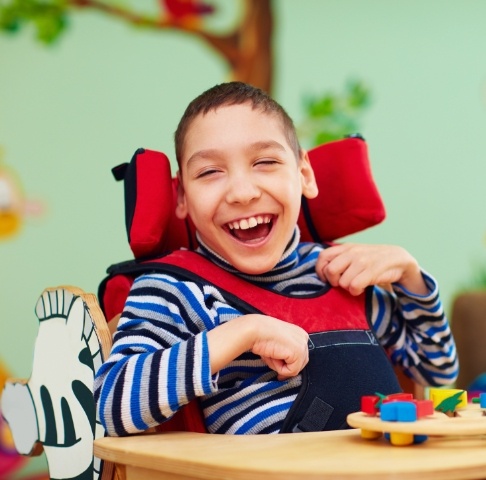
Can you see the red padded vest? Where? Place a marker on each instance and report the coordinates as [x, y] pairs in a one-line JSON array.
[[345, 359]]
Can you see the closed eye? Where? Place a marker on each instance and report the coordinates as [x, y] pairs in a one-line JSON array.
[[207, 173], [266, 161]]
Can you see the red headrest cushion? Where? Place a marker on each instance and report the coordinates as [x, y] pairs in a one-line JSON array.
[[348, 199]]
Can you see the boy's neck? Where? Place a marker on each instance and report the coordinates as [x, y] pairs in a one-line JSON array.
[[285, 262]]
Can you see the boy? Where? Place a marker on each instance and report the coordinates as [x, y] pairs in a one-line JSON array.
[[242, 175]]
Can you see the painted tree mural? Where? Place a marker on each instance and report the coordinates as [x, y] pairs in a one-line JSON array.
[[247, 48]]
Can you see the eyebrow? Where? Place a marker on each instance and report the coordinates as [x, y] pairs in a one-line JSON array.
[[266, 145], [255, 147]]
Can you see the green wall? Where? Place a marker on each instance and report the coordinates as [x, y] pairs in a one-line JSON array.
[[70, 112]]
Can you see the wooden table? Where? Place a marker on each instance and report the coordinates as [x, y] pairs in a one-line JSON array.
[[324, 455]]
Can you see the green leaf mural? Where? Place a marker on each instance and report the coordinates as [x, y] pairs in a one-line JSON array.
[[332, 116]]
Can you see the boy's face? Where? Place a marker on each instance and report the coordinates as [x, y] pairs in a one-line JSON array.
[[242, 185]]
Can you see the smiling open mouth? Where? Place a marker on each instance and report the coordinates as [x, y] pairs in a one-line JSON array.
[[251, 229]]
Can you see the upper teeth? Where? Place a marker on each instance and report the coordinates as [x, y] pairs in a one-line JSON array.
[[250, 222]]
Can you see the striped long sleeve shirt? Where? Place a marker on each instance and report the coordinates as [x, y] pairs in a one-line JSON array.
[[160, 360]]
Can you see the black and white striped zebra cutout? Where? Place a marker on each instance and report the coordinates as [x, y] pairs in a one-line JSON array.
[[56, 407]]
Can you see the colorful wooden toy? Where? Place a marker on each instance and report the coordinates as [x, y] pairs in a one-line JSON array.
[[405, 420]]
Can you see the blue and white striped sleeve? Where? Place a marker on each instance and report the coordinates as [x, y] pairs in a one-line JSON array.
[[415, 332], [159, 360]]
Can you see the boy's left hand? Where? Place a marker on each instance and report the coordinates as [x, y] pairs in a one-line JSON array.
[[357, 266]]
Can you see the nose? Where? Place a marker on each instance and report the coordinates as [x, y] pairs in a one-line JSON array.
[[242, 189]]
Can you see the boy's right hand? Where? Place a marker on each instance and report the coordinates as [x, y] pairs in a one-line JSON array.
[[281, 345]]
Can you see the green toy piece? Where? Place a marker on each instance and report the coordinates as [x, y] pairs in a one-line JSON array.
[[380, 401], [449, 404]]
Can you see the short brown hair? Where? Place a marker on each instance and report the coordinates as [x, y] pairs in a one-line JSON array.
[[234, 93]]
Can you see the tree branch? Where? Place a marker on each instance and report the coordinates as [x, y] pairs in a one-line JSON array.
[[226, 45]]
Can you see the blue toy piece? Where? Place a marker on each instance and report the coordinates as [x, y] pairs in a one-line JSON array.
[[401, 411], [398, 412]]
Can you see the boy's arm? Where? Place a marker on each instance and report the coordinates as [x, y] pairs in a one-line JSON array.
[[139, 387], [415, 332], [409, 321], [168, 346], [159, 360], [281, 345]]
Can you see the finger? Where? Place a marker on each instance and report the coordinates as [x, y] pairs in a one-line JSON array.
[[321, 269], [356, 289], [280, 369], [289, 370], [286, 372], [334, 270], [329, 253], [354, 279], [368, 277], [328, 264], [274, 364]]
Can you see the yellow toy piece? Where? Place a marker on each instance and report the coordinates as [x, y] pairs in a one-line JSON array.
[[441, 395], [400, 439], [370, 434]]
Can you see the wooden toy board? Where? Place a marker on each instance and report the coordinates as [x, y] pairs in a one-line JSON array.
[[469, 421]]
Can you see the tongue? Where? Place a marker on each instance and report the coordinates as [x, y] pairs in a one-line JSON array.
[[252, 234]]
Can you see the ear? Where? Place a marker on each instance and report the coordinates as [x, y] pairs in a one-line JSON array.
[[181, 207], [308, 179]]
